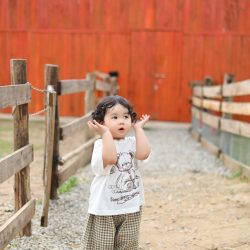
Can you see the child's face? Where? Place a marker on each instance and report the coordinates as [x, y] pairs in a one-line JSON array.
[[118, 120]]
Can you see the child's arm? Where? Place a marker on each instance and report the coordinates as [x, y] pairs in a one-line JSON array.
[[142, 143], [109, 154]]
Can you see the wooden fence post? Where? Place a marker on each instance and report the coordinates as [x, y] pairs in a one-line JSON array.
[[114, 82], [90, 94], [224, 140], [49, 142], [89, 101], [228, 79], [51, 78], [21, 138]]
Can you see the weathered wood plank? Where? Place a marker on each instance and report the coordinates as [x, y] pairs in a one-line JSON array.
[[212, 91], [210, 119], [195, 134], [74, 126], [103, 86], [75, 86], [48, 156], [14, 95], [82, 160], [197, 91], [235, 127], [211, 104], [210, 147], [89, 102], [102, 75], [78, 150], [236, 89], [238, 108], [196, 113], [21, 139], [235, 165], [197, 101], [13, 163], [51, 78], [16, 223]]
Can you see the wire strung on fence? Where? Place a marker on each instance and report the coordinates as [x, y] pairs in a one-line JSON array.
[[50, 89]]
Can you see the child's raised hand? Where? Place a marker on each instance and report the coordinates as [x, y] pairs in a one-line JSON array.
[[97, 127], [140, 123]]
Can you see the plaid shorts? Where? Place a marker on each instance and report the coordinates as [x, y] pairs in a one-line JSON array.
[[115, 232]]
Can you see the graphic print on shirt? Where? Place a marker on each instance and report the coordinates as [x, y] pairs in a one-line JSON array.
[[127, 180]]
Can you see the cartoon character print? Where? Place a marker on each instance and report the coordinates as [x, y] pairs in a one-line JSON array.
[[127, 180]]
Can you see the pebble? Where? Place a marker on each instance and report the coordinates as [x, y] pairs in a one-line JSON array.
[[174, 152]]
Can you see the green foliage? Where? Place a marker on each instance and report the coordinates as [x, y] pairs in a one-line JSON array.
[[6, 148], [235, 175], [238, 175], [68, 185]]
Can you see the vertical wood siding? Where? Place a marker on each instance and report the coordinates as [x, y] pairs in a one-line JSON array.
[[156, 45]]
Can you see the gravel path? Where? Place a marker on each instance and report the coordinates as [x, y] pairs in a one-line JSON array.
[[174, 153]]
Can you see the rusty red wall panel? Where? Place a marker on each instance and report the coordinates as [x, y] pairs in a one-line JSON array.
[[183, 39], [192, 69], [165, 19], [222, 16]]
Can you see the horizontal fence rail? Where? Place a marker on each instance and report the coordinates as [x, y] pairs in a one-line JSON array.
[[14, 95], [214, 125]]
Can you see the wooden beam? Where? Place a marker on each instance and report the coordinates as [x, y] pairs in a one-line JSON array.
[[195, 134], [75, 86], [51, 78], [196, 112], [212, 91], [82, 160], [21, 139], [74, 126], [211, 104], [103, 86], [78, 150], [197, 91], [235, 127], [197, 102], [16, 161], [210, 119], [14, 95], [236, 89], [235, 165], [16, 223], [239, 108], [101, 75], [48, 156], [210, 147]]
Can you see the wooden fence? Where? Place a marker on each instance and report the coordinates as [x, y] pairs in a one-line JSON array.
[[17, 163], [214, 124], [69, 163]]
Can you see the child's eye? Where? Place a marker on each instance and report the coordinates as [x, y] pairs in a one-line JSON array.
[[114, 117], [126, 116]]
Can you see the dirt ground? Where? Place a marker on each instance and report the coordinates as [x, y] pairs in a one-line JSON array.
[[191, 211]]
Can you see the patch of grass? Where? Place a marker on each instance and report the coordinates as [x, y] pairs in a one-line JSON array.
[[235, 175], [6, 148], [68, 185], [39, 202], [239, 175]]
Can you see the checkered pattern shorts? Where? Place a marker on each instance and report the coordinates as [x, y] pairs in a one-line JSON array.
[[116, 232]]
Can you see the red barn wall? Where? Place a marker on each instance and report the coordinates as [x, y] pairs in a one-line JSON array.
[[156, 45]]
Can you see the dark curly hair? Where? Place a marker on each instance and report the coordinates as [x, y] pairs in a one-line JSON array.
[[109, 102]]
